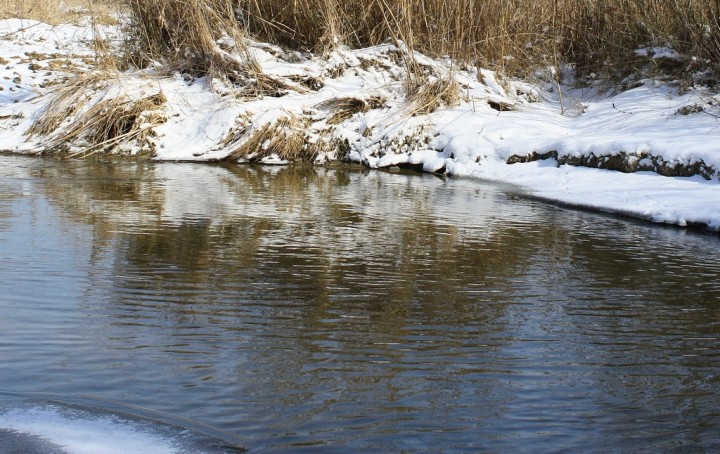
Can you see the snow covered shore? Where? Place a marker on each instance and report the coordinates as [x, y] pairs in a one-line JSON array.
[[648, 152]]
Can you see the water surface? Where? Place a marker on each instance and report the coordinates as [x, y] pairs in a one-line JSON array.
[[313, 309]]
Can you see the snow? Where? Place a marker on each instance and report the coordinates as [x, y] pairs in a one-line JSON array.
[[650, 126], [659, 52], [76, 434], [681, 201]]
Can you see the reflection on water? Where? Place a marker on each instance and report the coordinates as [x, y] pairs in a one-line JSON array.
[[326, 309]]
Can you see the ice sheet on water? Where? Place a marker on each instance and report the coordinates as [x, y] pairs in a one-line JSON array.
[[49, 428]]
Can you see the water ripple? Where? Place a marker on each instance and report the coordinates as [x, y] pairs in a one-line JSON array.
[[327, 309]]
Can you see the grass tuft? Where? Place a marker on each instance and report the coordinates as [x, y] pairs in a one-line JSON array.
[[284, 138], [344, 108], [66, 100], [426, 97], [99, 123]]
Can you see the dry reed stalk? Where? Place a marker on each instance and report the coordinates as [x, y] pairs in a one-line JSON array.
[[318, 25], [201, 37], [512, 36], [206, 37]]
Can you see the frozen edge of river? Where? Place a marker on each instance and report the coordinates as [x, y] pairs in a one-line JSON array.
[[506, 131]]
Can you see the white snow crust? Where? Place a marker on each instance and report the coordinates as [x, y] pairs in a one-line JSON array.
[[91, 435]]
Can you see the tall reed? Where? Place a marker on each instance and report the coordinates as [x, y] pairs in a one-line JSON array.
[[515, 36], [200, 36], [511, 35]]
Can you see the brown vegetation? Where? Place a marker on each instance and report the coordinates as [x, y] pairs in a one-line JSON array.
[[513, 36], [342, 109], [284, 138], [201, 36], [75, 116], [57, 12]]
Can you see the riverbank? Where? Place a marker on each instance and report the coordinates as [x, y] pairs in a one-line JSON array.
[[651, 151]]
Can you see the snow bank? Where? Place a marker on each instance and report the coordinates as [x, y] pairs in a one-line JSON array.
[[649, 152]]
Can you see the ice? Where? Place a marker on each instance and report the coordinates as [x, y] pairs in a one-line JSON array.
[[78, 433]]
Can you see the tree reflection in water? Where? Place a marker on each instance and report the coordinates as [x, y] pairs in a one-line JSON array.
[[334, 306]]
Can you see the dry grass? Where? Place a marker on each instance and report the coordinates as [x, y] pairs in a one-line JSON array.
[[200, 36], [75, 116], [59, 12], [342, 109], [112, 122], [513, 36], [285, 138], [67, 100], [430, 94], [289, 138]]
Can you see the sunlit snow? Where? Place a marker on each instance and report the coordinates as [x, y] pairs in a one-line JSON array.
[[85, 434]]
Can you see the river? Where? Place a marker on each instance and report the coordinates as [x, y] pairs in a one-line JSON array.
[[335, 309]]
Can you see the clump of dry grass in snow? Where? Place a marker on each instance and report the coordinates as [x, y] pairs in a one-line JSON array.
[[96, 114], [283, 139], [428, 96], [344, 108], [66, 100]]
